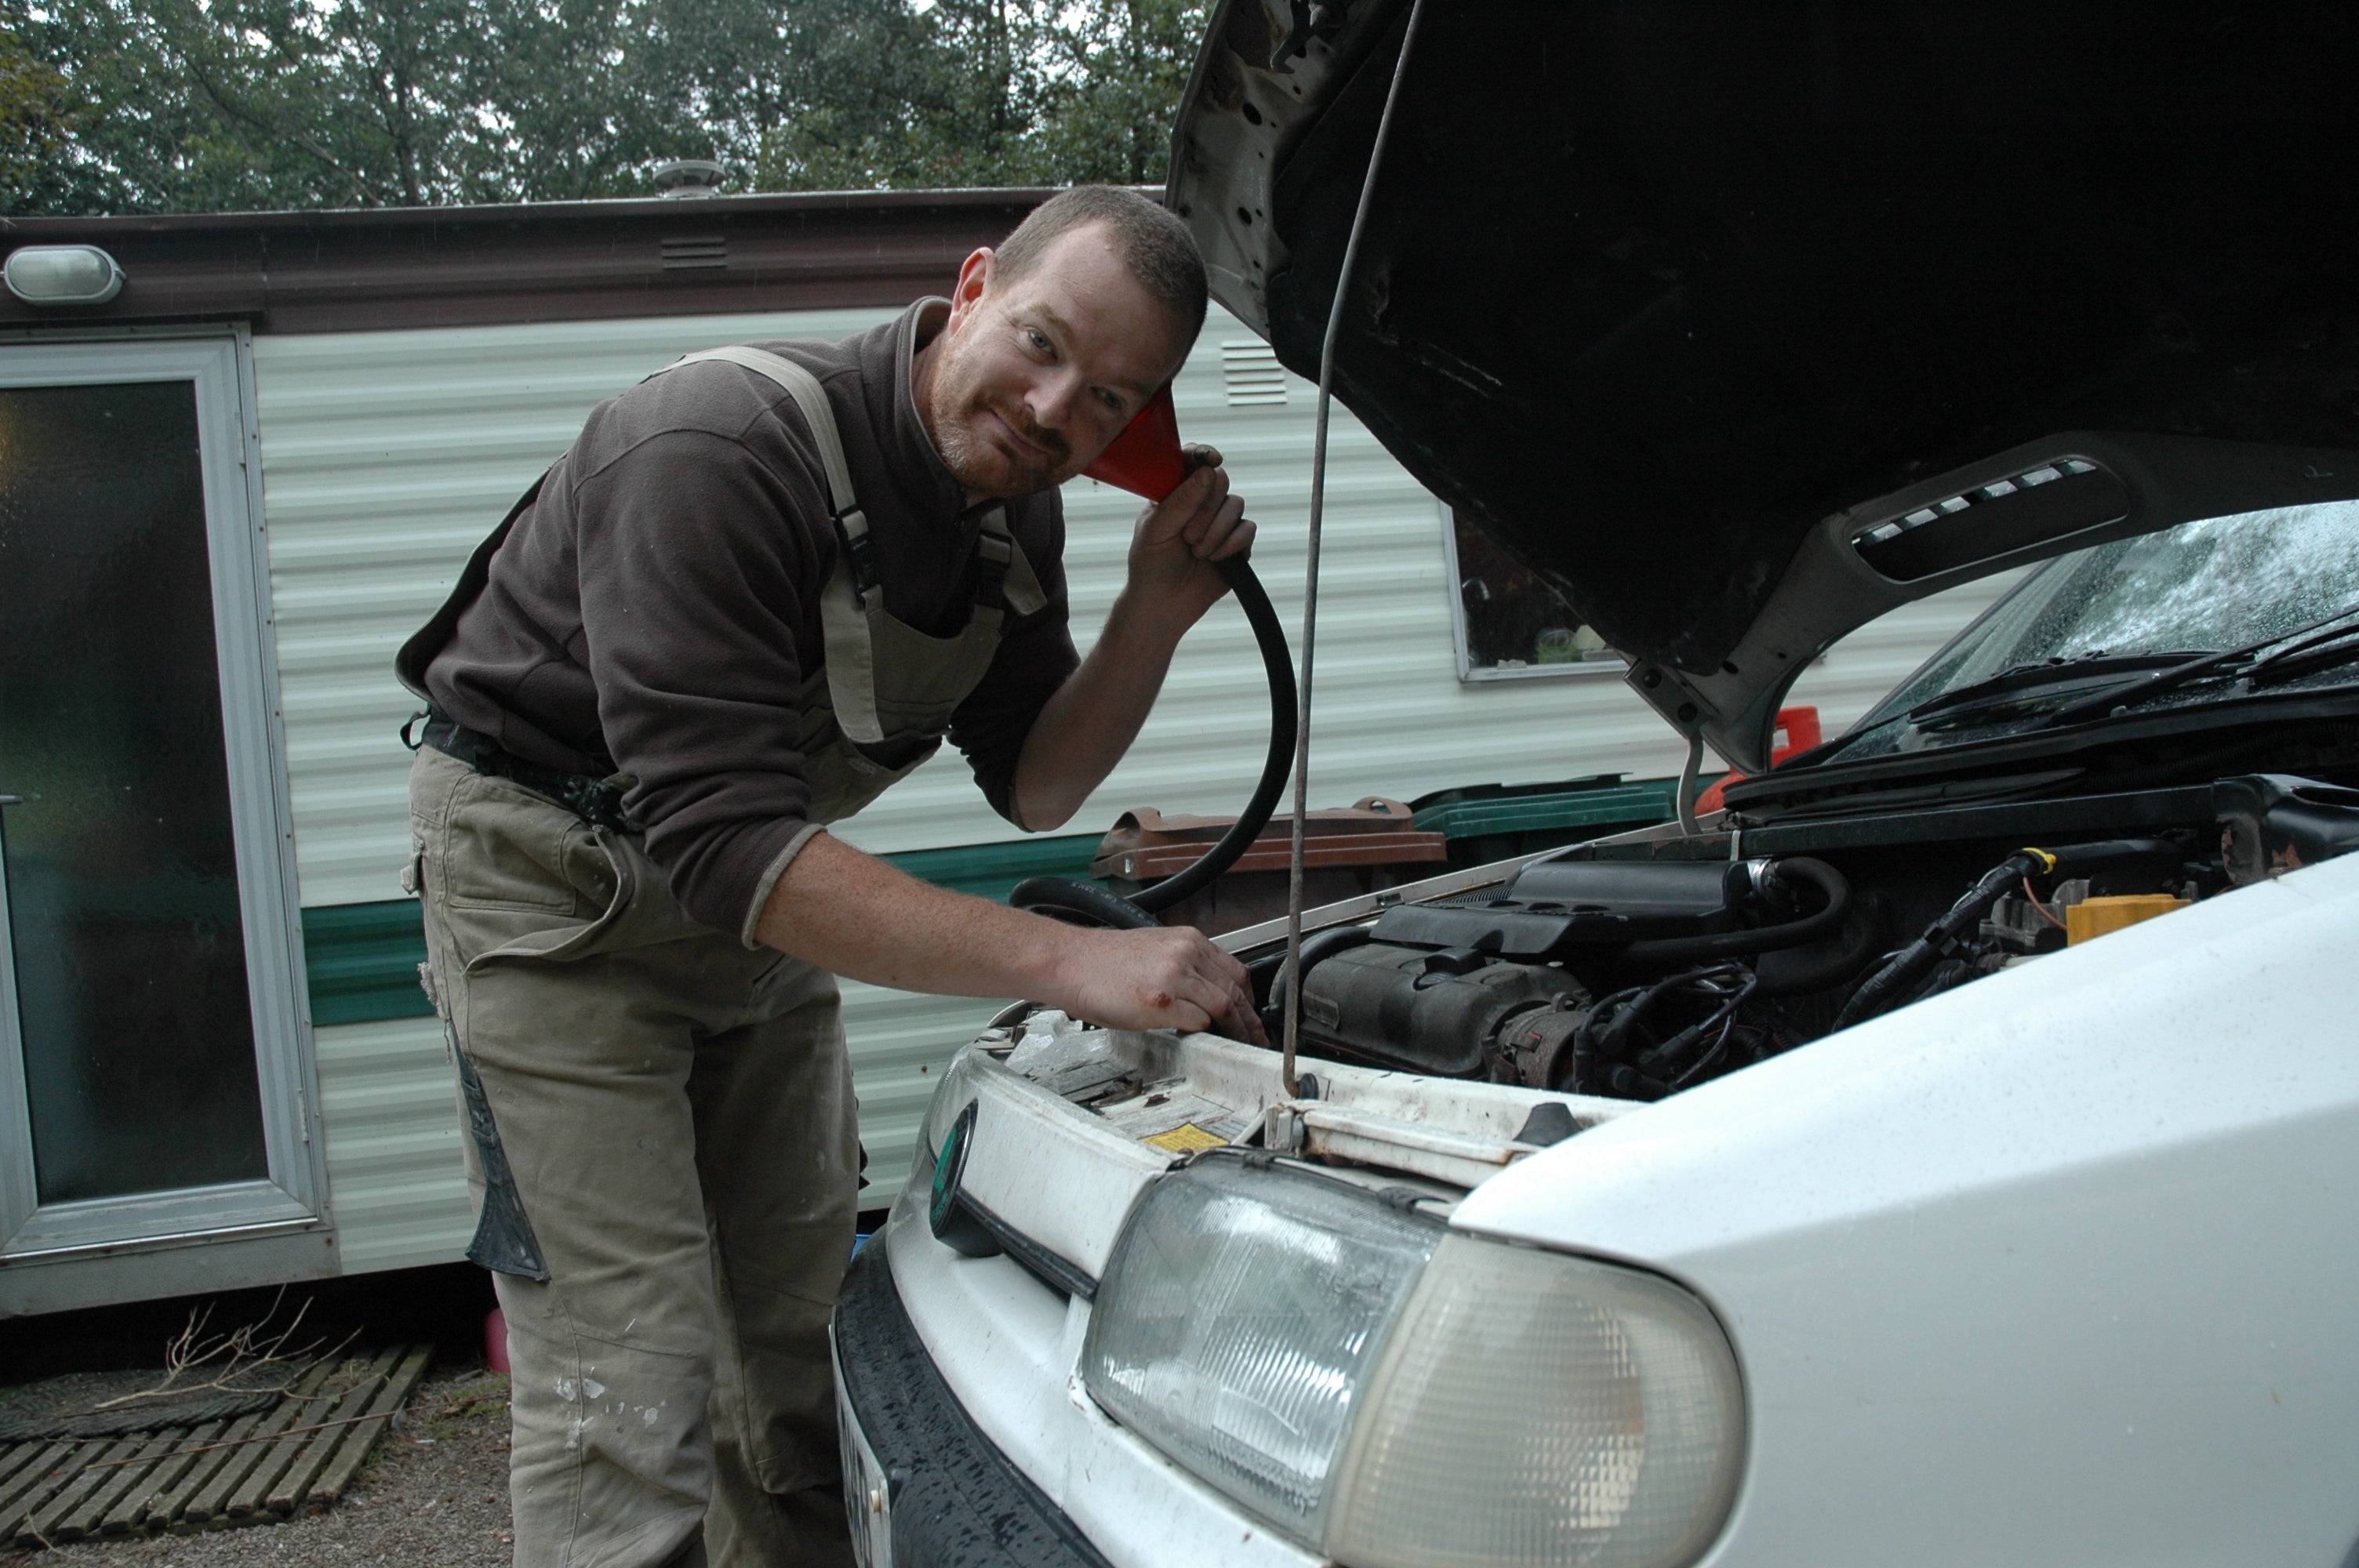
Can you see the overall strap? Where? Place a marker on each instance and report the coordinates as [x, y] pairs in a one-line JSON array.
[[852, 593], [1002, 577]]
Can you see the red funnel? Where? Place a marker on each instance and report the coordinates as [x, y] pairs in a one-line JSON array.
[[1145, 459]]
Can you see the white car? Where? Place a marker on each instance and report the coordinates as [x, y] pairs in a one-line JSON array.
[[1949, 1153]]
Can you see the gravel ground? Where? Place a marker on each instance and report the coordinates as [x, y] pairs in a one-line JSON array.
[[434, 1495]]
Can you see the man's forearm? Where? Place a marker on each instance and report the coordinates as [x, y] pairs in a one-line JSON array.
[[853, 915], [1085, 729]]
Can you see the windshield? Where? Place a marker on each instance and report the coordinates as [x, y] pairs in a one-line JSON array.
[[2221, 583]]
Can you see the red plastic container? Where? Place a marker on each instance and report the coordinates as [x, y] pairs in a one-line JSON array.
[[495, 1339], [1798, 730]]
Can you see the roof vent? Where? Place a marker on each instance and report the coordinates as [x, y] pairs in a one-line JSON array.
[[64, 274], [690, 251], [1255, 378], [690, 177]]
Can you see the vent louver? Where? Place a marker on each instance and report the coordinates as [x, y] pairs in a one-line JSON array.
[[695, 251], [1252, 373]]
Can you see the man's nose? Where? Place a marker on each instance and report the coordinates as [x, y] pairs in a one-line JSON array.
[[1053, 399]]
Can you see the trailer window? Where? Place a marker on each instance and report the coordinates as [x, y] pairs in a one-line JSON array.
[[1510, 622]]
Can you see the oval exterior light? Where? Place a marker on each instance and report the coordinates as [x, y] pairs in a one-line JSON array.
[[64, 274]]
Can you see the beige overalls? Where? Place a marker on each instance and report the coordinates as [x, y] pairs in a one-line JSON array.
[[662, 1143]]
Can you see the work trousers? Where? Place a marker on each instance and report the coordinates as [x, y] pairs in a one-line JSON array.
[[663, 1154]]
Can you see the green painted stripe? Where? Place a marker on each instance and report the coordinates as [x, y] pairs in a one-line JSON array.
[[992, 870], [360, 959]]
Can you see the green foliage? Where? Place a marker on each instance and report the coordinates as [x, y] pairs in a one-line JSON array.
[[199, 105], [1119, 68], [33, 126]]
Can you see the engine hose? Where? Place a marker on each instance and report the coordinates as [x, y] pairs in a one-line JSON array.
[[1762, 939], [1316, 948], [1087, 903], [1080, 903], [1882, 990]]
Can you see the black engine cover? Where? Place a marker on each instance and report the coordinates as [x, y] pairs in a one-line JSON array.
[[1426, 1011]]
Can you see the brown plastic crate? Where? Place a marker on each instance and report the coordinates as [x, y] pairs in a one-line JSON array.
[[1356, 849]]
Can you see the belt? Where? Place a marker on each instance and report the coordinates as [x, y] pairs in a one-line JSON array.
[[593, 799]]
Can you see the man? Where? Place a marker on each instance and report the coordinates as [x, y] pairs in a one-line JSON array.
[[749, 597]]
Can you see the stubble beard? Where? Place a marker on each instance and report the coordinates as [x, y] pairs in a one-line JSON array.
[[978, 464]]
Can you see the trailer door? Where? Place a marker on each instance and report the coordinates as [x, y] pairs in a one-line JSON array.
[[155, 1126]]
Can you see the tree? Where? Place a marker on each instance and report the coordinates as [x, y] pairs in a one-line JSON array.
[[259, 103], [178, 105], [1116, 71], [34, 125], [1006, 93]]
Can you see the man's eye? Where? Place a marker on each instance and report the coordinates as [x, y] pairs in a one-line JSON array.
[[1113, 403], [1039, 339]]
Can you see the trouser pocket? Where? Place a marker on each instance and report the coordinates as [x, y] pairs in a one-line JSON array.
[[505, 1242]]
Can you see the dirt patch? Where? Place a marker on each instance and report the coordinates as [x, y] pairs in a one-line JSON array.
[[434, 1494]]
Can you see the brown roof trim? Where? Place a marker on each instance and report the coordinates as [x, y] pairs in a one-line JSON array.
[[454, 266]]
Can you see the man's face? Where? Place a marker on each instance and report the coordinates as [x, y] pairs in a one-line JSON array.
[[1032, 376]]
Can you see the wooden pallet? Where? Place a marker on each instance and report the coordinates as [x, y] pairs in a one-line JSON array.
[[257, 1469]]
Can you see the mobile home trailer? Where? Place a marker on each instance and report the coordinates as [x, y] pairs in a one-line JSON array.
[[232, 486]]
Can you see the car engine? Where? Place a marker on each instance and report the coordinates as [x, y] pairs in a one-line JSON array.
[[1631, 968]]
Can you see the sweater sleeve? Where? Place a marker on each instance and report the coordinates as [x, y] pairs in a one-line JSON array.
[[691, 594]]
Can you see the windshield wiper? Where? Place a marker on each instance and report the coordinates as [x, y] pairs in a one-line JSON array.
[[2310, 656], [2182, 674], [2046, 671], [2012, 679]]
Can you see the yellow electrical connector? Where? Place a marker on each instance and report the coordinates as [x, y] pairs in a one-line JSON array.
[[2093, 917]]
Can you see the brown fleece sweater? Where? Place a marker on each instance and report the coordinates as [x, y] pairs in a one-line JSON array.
[[654, 612]]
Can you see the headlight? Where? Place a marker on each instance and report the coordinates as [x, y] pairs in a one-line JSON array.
[[1236, 1320], [1532, 1408], [1401, 1397]]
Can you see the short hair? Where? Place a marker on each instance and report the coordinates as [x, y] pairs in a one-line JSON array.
[[1153, 242]]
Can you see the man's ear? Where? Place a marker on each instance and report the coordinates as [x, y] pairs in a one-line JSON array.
[[974, 282]]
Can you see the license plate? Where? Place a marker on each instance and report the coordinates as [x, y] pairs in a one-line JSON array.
[[868, 1497]]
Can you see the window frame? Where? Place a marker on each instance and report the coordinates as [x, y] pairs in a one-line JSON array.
[[291, 1200]]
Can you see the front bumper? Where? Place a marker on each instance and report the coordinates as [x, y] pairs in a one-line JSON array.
[[955, 1498]]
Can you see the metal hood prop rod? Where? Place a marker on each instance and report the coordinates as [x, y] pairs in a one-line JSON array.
[[1311, 573]]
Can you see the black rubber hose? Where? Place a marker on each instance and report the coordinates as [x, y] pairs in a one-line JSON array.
[[2117, 851], [1277, 663], [1809, 929], [1883, 990], [1797, 971], [1080, 903], [1317, 947], [1086, 903]]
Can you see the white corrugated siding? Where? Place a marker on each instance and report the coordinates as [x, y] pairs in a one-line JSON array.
[[394, 1181], [387, 455]]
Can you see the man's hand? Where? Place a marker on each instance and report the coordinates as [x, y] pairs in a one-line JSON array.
[[1167, 977], [1177, 539]]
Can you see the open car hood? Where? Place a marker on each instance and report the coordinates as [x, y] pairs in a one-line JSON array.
[[1744, 324]]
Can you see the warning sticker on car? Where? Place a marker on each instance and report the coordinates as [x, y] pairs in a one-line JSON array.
[[1171, 1118], [1185, 1137]]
